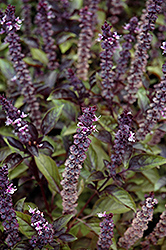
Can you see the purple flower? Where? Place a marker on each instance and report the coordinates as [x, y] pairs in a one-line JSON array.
[[138, 64], [42, 20], [76, 158], [85, 40], [7, 212], [15, 118], [109, 43], [44, 230], [106, 231], [158, 232], [124, 138], [26, 13], [139, 223], [10, 25], [163, 47]]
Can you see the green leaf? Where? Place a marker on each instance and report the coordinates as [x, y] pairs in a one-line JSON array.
[[19, 206], [91, 160], [114, 246], [124, 197], [21, 245], [31, 62], [6, 68], [95, 225], [49, 169], [143, 100], [24, 221], [82, 243], [39, 55], [61, 222], [69, 130], [110, 205], [50, 119], [143, 162], [160, 183], [17, 171], [121, 195], [152, 175], [84, 228]]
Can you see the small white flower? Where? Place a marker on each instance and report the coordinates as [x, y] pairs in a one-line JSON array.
[[131, 137], [31, 210], [100, 215], [11, 189]]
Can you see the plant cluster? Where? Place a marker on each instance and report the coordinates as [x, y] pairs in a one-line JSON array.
[[82, 125]]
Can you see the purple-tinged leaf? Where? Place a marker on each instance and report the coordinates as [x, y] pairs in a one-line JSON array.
[[67, 237], [82, 243], [65, 94], [143, 162], [96, 176], [19, 206], [61, 222], [61, 231], [33, 150], [46, 144], [109, 189], [13, 160], [91, 186], [55, 245], [15, 143], [33, 132], [22, 245], [104, 136], [50, 119]]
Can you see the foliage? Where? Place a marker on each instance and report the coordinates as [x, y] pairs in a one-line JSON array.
[[83, 122]]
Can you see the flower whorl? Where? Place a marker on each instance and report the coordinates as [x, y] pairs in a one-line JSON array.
[[109, 42], [10, 25], [45, 29], [158, 232], [84, 43], [124, 138], [15, 118], [138, 65], [7, 212], [44, 230], [139, 223], [76, 158], [106, 231]]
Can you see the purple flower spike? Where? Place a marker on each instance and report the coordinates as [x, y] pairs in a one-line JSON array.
[[7, 212], [158, 232], [44, 230], [106, 231], [84, 43], [138, 64], [109, 43], [139, 223], [10, 24], [14, 117], [124, 139], [76, 158], [163, 47], [45, 29]]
